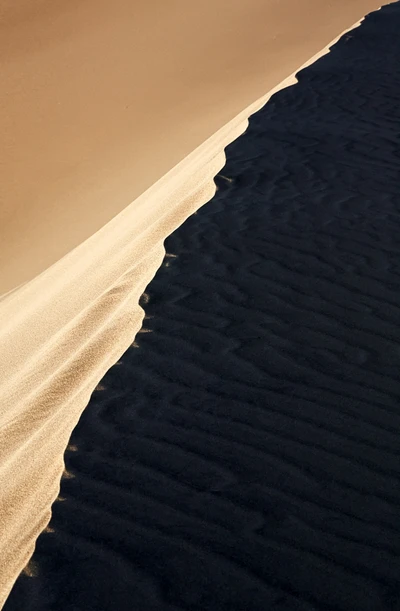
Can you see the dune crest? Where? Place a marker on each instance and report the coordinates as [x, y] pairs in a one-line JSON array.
[[62, 331]]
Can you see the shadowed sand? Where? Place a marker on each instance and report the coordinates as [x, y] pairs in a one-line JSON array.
[[244, 452], [62, 330], [100, 99]]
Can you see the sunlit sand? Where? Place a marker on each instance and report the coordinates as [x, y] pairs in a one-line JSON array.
[[114, 125]]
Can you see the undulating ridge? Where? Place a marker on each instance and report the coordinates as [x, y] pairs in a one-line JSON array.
[[62, 330], [244, 452]]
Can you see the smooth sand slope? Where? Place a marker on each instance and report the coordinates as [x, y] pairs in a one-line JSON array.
[[63, 329], [100, 99], [244, 454]]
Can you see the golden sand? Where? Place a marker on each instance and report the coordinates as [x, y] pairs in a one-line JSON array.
[[114, 124]]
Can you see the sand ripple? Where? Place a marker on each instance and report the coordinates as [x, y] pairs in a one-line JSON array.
[[244, 453]]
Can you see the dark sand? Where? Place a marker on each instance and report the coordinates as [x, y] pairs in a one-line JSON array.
[[244, 455]]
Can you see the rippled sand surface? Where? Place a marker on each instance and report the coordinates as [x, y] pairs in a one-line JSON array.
[[115, 121]]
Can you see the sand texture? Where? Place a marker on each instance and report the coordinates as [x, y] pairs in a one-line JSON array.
[[244, 452], [100, 99], [62, 330]]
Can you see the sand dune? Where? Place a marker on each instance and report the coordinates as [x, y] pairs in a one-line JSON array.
[[244, 453], [72, 165], [100, 99]]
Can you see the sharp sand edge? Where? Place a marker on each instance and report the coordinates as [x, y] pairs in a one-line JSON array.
[[63, 330]]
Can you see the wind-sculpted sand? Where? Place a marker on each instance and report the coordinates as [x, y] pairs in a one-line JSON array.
[[64, 328], [100, 99], [244, 453]]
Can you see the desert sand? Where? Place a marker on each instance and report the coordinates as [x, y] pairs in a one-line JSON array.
[[101, 99], [112, 139]]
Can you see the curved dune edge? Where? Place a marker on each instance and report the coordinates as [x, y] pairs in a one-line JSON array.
[[54, 352]]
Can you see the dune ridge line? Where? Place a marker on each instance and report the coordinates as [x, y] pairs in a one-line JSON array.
[[62, 331]]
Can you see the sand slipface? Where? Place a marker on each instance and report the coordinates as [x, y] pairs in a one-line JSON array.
[[102, 99], [63, 326], [243, 453]]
